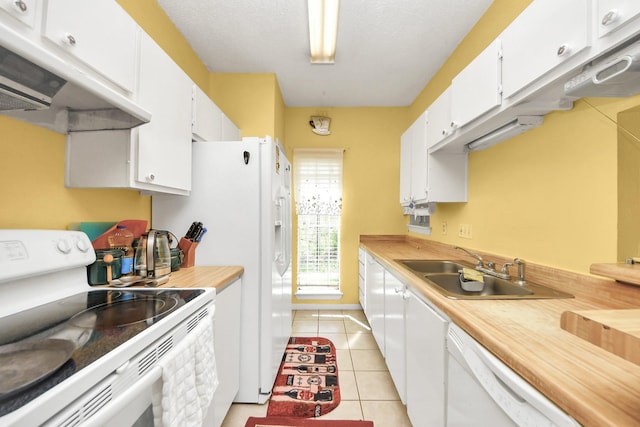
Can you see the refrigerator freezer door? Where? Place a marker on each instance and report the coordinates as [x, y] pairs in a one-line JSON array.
[[233, 195]]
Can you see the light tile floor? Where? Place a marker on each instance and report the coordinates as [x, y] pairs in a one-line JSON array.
[[367, 390]]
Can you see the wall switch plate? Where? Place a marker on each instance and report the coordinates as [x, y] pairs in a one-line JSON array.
[[465, 231]]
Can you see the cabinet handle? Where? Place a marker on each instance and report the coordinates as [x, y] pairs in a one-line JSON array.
[[22, 6], [70, 39], [610, 17], [151, 177], [563, 50]]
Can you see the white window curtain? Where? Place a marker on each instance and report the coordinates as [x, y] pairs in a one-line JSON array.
[[317, 175]]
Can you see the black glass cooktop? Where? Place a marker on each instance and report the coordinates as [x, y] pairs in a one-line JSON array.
[[43, 346]]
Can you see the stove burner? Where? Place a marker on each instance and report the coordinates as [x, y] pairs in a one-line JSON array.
[[24, 363], [123, 312]]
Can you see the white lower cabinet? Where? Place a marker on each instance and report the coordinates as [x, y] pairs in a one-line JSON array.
[[394, 331], [227, 349], [362, 274], [411, 334], [426, 331], [375, 300]]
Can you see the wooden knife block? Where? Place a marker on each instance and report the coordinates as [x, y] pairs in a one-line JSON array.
[[189, 249]]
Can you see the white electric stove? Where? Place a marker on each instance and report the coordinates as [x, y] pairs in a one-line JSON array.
[[72, 354]]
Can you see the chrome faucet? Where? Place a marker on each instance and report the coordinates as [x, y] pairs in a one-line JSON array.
[[490, 269], [520, 263], [476, 256]]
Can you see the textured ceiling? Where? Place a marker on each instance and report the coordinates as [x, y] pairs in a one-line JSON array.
[[387, 49]]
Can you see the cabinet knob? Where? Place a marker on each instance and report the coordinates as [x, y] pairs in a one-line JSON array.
[[151, 177], [610, 17], [70, 39], [563, 50], [20, 5]]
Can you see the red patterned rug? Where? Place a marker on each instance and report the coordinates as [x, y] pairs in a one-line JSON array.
[[297, 422], [307, 383]]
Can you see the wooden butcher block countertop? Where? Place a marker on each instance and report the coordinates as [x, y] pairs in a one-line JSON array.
[[591, 383], [204, 277]]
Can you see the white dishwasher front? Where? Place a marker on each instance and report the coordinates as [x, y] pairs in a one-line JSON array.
[[483, 391]]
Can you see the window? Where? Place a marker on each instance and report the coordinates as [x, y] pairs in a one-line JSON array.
[[317, 175]]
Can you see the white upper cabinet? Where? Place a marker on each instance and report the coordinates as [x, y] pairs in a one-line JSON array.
[[413, 163], [99, 33], [424, 177], [209, 122], [542, 37], [406, 141], [440, 122], [613, 14], [155, 156], [207, 118], [22, 10], [419, 160], [477, 89], [164, 146]]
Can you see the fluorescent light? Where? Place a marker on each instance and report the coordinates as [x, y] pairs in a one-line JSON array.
[[323, 30], [518, 125]]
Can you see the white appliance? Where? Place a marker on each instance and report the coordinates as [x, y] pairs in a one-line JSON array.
[[483, 391], [75, 355], [241, 192]]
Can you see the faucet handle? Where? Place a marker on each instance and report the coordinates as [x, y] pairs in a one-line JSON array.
[[505, 267]]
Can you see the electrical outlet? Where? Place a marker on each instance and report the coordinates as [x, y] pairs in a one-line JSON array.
[[444, 228], [465, 231]]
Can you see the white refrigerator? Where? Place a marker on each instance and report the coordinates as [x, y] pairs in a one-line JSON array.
[[241, 192]]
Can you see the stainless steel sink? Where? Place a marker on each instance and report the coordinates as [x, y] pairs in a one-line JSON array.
[[444, 276]]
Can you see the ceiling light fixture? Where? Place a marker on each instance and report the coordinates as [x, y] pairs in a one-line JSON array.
[[323, 30]]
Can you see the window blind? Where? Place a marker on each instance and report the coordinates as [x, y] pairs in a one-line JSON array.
[[317, 176]]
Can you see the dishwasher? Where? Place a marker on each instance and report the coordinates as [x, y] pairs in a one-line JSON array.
[[483, 391]]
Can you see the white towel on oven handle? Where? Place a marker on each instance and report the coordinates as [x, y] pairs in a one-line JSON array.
[[189, 380]]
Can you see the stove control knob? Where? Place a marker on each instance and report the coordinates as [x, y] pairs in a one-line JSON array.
[[63, 246], [82, 245]]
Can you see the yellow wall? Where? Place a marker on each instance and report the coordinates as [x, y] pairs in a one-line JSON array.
[[251, 100], [371, 174]]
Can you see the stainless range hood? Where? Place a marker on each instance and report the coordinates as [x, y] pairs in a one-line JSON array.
[[47, 97]]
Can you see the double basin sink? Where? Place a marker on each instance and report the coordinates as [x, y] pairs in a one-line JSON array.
[[445, 277]]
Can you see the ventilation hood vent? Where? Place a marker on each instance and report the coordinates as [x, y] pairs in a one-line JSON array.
[[24, 85], [63, 103]]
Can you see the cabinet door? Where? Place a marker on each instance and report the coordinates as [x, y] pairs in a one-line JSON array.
[[230, 131], [477, 89], [406, 141], [612, 14], [419, 159], [99, 33], [207, 118], [164, 144], [394, 292], [362, 274], [425, 364], [439, 120], [22, 10], [544, 36], [375, 301]]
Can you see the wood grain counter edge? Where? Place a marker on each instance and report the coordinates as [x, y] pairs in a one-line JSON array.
[[217, 277]]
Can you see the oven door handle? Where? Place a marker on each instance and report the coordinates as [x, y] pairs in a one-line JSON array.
[[106, 414]]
